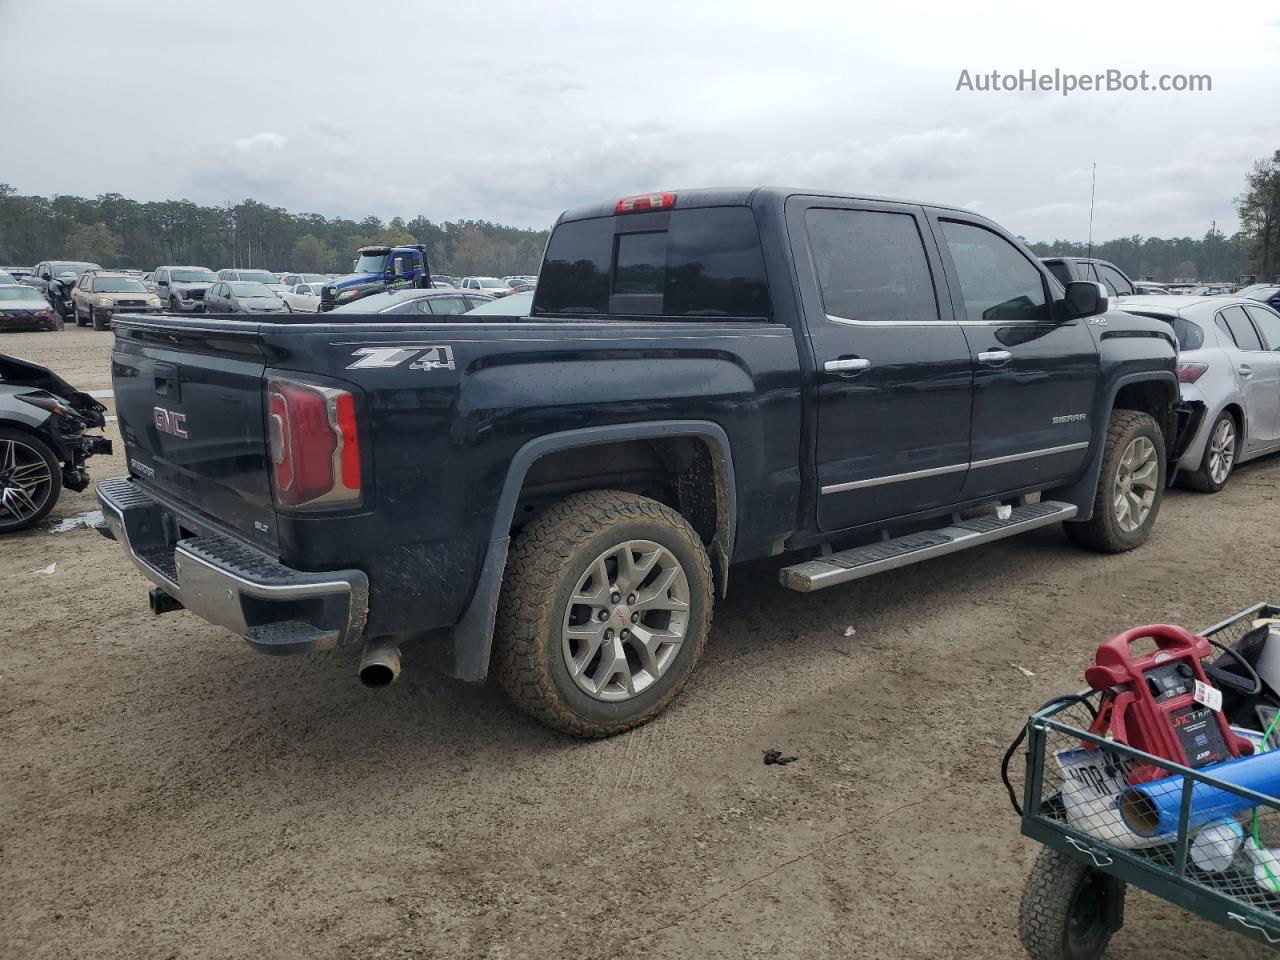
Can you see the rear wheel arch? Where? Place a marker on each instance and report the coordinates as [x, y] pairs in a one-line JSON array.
[[472, 637], [693, 457], [1242, 425]]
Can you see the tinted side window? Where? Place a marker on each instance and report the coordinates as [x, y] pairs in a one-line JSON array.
[[997, 283], [1242, 331], [871, 265], [1060, 270], [1268, 322], [575, 276], [1115, 280], [707, 262], [1190, 336], [448, 306], [715, 267]]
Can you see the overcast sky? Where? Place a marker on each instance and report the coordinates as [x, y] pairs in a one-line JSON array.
[[513, 111]]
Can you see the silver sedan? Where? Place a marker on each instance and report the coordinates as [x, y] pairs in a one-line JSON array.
[[1229, 365]]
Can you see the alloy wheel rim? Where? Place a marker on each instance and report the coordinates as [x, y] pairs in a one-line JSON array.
[[626, 620], [25, 482], [1222, 451], [1137, 477]]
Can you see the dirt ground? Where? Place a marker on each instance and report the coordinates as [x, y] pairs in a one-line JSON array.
[[167, 793]]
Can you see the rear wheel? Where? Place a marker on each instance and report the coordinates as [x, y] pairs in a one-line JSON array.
[[1219, 456], [30, 480], [605, 607], [1130, 486], [1069, 910]]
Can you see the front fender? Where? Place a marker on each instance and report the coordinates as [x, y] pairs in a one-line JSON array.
[[1132, 351]]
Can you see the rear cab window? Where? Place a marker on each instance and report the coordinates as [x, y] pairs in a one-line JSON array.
[[682, 263]]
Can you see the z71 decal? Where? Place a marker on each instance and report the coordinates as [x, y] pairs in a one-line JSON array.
[[381, 358]]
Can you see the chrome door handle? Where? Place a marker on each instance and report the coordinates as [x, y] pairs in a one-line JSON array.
[[994, 358], [1245, 370], [856, 365]]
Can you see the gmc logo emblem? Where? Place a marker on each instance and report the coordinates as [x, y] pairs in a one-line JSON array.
[[167, 421]]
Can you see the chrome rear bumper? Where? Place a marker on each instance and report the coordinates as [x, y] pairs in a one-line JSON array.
[[276, 608]]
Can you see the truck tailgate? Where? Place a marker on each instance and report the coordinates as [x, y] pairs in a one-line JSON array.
[[190, 402]]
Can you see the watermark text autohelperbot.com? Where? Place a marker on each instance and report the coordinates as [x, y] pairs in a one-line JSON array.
[[1065, 83]]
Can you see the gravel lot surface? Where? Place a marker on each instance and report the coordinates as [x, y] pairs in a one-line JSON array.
[[167, 793]]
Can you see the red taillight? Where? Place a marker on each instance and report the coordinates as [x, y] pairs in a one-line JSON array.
[[1191, 372], [315, 444], [646, 201]]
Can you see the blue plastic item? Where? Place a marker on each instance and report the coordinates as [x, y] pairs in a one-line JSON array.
[[1153, 808]]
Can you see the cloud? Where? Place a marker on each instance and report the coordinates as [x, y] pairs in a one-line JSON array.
[[528, 114]]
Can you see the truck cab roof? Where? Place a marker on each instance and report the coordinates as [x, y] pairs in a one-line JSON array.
[[737, 197]]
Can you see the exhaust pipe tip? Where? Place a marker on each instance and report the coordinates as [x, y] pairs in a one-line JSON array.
[[379, 665]]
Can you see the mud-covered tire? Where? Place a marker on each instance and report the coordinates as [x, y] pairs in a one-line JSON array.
[[1069, 910], [1201, 479], [547, 562], [1103, 531]]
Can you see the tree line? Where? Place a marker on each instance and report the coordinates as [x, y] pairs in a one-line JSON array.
[[116, 231]]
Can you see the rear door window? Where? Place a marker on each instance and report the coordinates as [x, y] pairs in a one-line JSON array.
[[1115, 280], [1268, 323], [700, 262], [871, 265], [1242, 331]]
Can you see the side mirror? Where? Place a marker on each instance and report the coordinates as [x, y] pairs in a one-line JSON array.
[[1086, 298]]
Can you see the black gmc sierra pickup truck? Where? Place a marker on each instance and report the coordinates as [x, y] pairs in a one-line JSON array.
[[707, 377]]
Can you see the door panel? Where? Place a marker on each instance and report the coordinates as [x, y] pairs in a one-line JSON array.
[[1033, 378], [1267, 322], [892, 366], [1257, 369]]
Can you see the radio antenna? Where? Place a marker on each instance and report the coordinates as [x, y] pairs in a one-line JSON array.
[[1093, 189]]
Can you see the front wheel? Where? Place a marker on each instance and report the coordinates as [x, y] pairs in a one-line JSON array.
[[30, 480], [1130, 486], [98, 323], [605, 608], [1219, 456], [1069, 910]]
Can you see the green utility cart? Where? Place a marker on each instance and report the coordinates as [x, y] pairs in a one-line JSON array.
[[1073, 901]]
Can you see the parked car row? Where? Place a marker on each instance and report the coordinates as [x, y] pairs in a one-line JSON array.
[[180, 288]]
